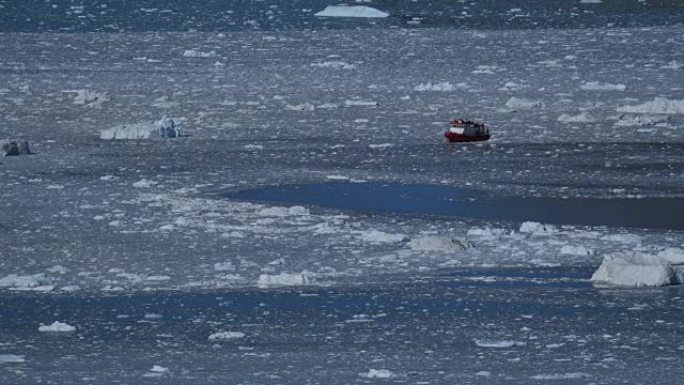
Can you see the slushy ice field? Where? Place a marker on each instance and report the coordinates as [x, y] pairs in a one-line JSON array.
[[311, 225]]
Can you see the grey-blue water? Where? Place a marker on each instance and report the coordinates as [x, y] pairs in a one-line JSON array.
[[221, 15], [651, 213]]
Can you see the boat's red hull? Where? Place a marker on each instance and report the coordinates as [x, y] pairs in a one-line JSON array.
[[454, 137]]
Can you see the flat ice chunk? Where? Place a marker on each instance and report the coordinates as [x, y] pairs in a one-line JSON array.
[[581, 118], [635, 269], [598, 86], [377, 373], [285, 279], [14, 147], [485, 233], [378, 237], [639, 120], [576, 250], [443, 86], [499, 343], [226, 336], [656, 106], [537, 228], [57, 327], [199, 54], [351, 11], [522, 103], [672, 255], [562, 376], [163, 128], [11, 359], [437, 243], [91, 98], [24, 281]]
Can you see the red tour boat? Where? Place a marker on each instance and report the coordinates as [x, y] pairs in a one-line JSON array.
[[464, 130]]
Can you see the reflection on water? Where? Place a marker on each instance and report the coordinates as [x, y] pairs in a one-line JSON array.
[[653, 213]]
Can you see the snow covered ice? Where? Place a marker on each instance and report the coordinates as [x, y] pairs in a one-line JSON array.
[[137, 223]]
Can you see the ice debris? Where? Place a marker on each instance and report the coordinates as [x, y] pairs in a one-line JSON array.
[[377, 373], [536, 228], [656, 106], [285, 279], [564, 376], [351, 11], [226, 336], [516, 103], [24, 281], [335, 64], [198, 54], [11, 359], [14, 147], [90, 98], [379, 237], [443, 86], [163, 128], [437, 243], [581, 118], [57, 327], [499, 343], [639, 269], [598, 86], [159, 369]]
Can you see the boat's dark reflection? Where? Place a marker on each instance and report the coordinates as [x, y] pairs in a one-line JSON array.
[[656, 213]]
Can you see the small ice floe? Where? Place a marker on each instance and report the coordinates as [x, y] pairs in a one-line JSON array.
[[499, 343], [338, 65], [656, 106], [483, 373], [163, 128], [57, 327], [442, 87], [576, 250], [90, 98], [25, 282], [516, 103], [639, 120], [11, 359], [380, 146], [144, 183], [360, 103], [224, 266], [224, 336], [277, 211], [285, 279], [351, 11], [377, 373], [253, 147], [301, 107], [598, 86], [536, 228], [193, 53], [437, 243], [638, 269], [487, 233], [673, 65], [159, 369], [581, 118], [562, 376], [14, 147], [379, 237]]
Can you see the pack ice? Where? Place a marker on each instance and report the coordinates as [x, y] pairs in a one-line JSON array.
[[163, 128]]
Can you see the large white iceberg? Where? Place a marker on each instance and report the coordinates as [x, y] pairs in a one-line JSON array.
[[163, 128], [638, 269], [351, 11]]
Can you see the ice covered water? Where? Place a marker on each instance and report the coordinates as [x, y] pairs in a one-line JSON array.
[[134, 244], [656, 213]]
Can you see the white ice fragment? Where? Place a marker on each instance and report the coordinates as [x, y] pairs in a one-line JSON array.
[[163, 128], [11, 359], [378, 237], [537, 228], [576, 250], [622, 238], [334, 65], [635, 269], [483, 373], [143, 183], [57, 327], [380, 146], [656, 106], [24, 281], [485, 233], [298, 211], [442, 86], [360, 103], [581, 118], [639, 120], [253, 147], [224, 266], [672, 255], [562, 376], [285, 279], [301, 107], [198, 54], [598, 86], [499, 343], [226, 336], [377, 373], [351, 11], [90, 98], [437, 243], [516, 103], [159, 369]]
